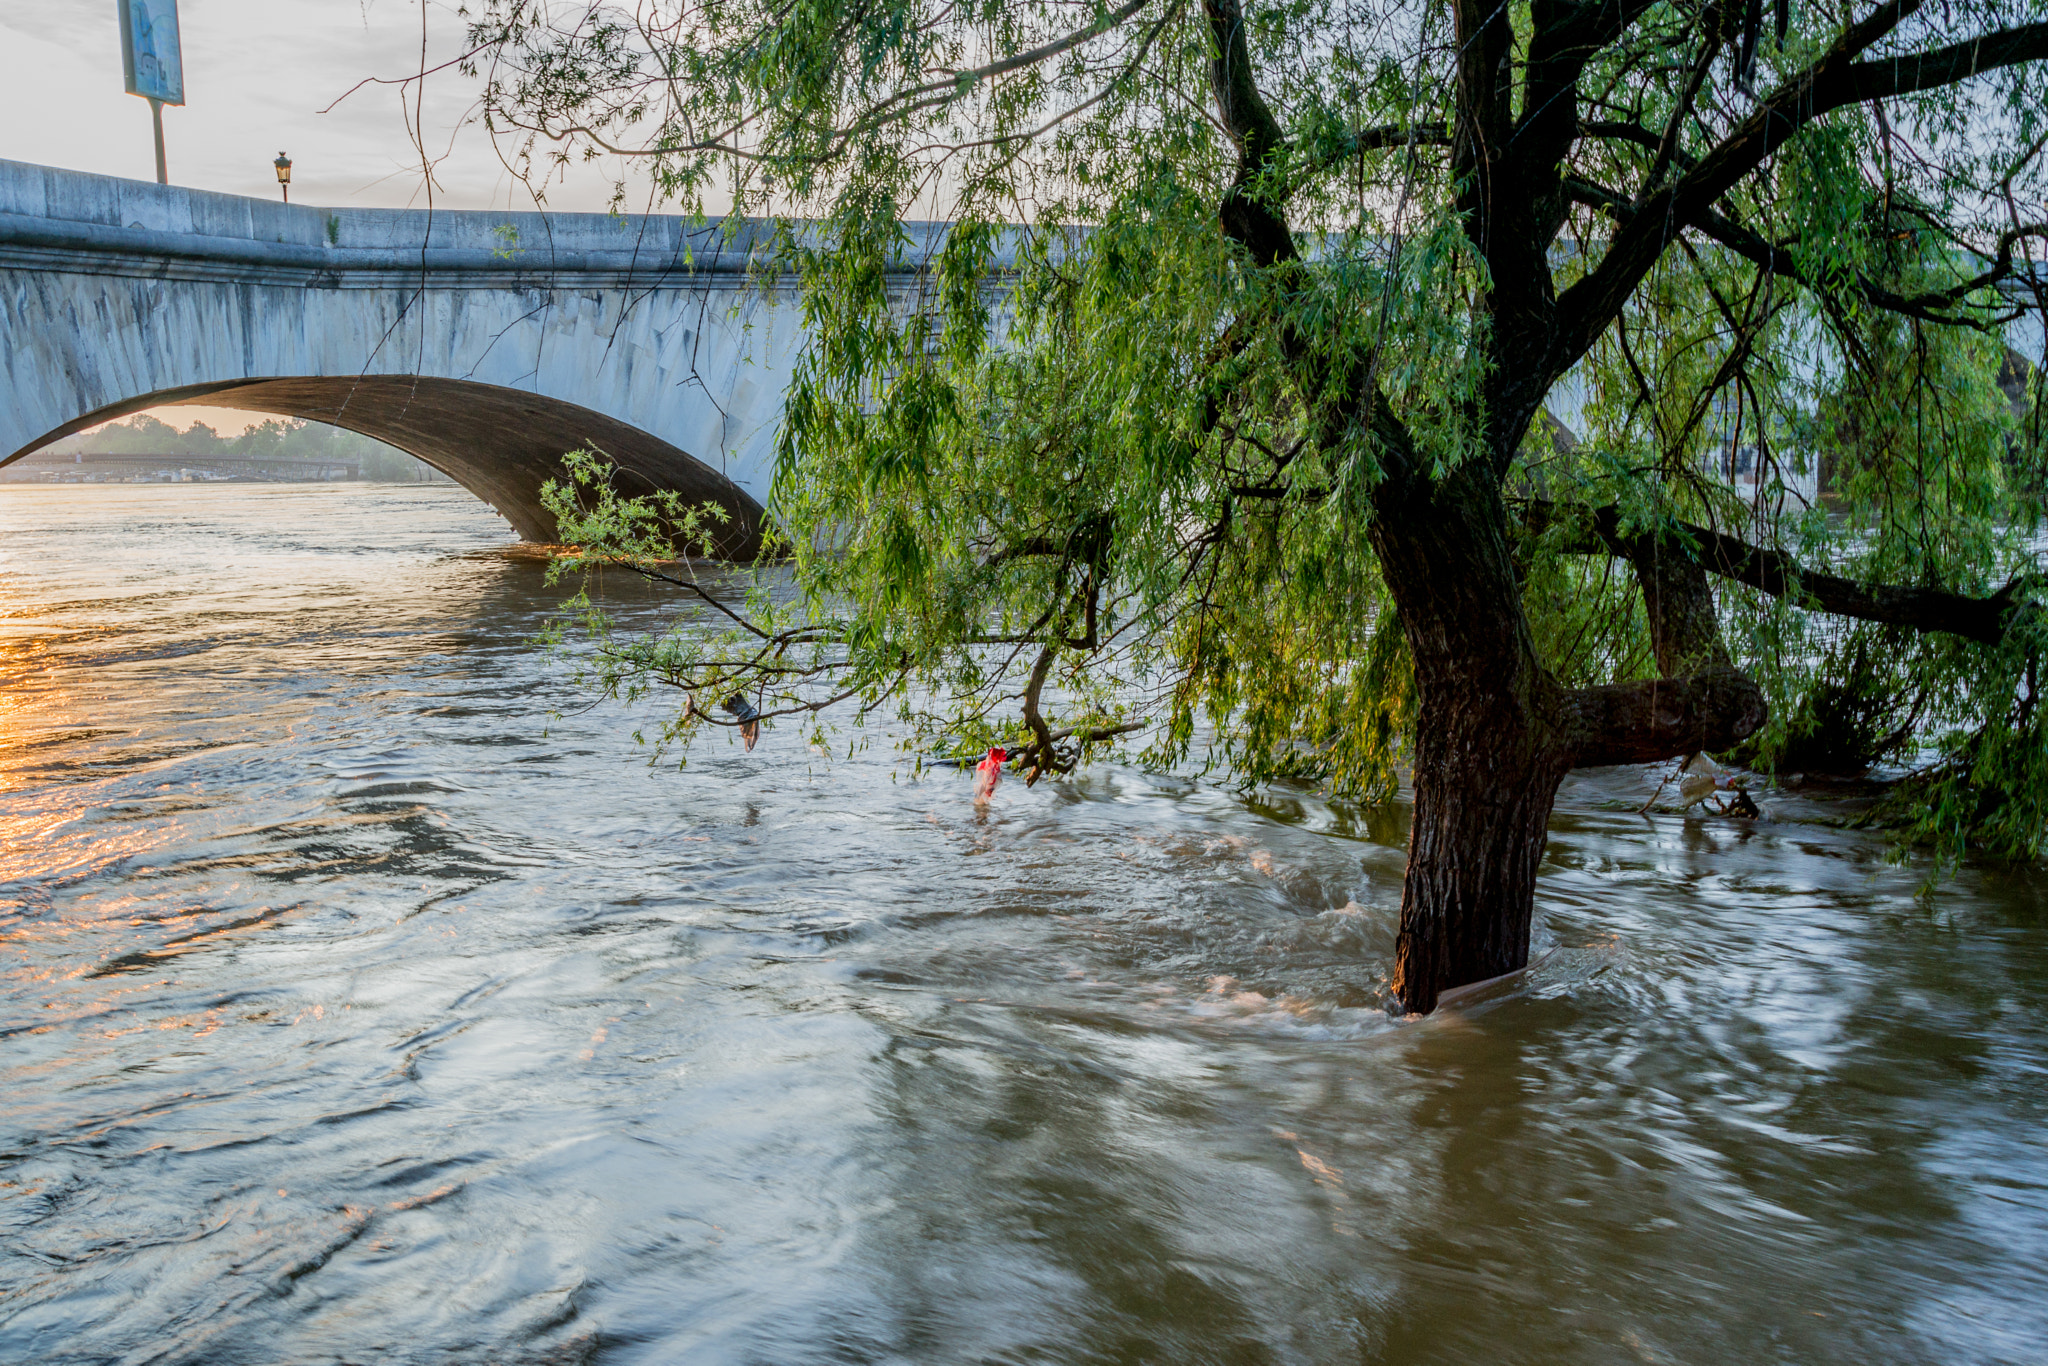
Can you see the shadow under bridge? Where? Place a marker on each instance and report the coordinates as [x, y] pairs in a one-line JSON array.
[[501, 444]]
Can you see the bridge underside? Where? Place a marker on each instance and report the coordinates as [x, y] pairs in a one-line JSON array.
[[501, 444]]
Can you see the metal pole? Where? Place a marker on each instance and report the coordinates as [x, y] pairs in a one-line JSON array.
[[156, 116]]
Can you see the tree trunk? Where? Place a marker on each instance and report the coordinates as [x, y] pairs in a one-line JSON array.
[[1485, 779], [1496, 733], [1491, 745]]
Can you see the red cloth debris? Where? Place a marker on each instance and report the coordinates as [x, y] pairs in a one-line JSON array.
[[987, 774]]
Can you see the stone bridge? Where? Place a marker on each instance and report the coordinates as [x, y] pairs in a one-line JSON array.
[[486, 344]]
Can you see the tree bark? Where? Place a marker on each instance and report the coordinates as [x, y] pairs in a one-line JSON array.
[[1491, 741], [1485, 781], [1685, 631]]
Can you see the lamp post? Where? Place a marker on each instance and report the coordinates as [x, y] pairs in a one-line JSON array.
[[284, 176]]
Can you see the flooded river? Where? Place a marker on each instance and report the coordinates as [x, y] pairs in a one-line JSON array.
[[353, 1010]]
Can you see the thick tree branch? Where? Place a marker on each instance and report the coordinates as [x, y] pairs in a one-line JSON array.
[[1571, 35], [1358, 141], [1905, 75], [1248, 215], [1659, 718], [1617, 130], [1387, 136], [1926, 306], [1986, 620], [1678, 600], [1249, 218]]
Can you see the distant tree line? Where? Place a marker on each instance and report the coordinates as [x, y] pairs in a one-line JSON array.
[[277, 438]]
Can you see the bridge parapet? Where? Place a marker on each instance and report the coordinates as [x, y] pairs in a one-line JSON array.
[[182, 232]]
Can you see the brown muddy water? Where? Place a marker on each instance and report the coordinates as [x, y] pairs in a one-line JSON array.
[[352, 1010]]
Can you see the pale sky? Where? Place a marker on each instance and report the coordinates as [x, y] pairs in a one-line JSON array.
[[258, 73]]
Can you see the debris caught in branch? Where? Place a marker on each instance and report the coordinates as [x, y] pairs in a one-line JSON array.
[[987, 774], [749, 719]]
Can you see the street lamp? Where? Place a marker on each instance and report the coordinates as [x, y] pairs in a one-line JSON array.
[[284, 176]]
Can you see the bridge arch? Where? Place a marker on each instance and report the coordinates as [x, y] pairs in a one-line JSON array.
[[486, 344], [500, 443]]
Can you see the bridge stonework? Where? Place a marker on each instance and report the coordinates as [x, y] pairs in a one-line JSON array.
[[486, 344]]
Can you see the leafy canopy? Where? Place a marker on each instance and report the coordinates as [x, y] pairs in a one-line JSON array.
[[1090, 454]]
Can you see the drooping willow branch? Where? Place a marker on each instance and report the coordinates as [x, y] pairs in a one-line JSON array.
[[804, 668]]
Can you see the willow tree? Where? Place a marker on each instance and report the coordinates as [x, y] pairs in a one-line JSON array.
[[1202, 364]]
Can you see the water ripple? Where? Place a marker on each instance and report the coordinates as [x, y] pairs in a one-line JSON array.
[[353, 1009]]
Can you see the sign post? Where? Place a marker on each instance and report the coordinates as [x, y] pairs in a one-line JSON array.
[[152, 62]]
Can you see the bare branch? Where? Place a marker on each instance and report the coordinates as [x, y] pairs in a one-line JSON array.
[[1836, 79]]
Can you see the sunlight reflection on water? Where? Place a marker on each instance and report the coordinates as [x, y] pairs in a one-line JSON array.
[[354, 1010]]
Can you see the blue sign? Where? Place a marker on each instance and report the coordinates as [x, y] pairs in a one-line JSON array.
[[150, 57]]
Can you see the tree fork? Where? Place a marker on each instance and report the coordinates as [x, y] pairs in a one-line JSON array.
[[1496, 733]]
